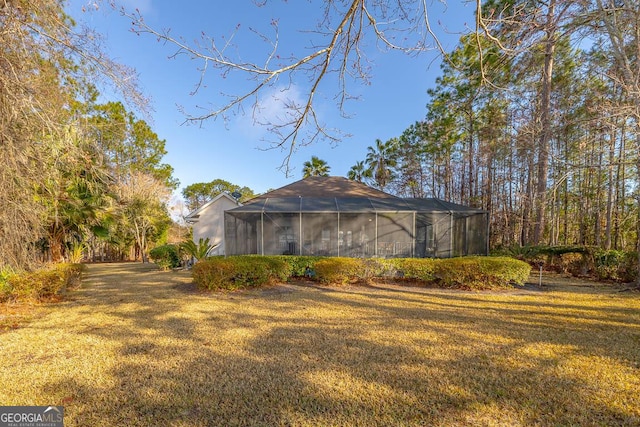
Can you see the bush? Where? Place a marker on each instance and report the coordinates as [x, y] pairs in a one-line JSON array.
[[214, 273], [616, 265], [239, 271], [42, 284], [72, 274], [463, 273], [580, 261], [340, 271], [5, 287], [421, 269], [165, 256], [480, 273], [299, 263]]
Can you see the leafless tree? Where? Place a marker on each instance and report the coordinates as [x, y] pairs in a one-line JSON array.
[[143, 199], [338, 49]]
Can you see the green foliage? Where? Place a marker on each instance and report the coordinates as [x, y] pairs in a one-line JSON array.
[[580, 261], [359, 172], [40, 285], [618, 266], [220, 273], [199, 251], [196, 195], [421, 269], [340, 271], [76, 253], [315, 167], [381, 161], [215, 273], [165, 256], [463, 273], [6, 272], [351, 270], [130, 143], [299, 264], [479, 273]]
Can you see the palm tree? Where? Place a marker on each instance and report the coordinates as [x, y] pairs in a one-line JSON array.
[[198, 251], [381, 160], [315, 167], [359, 172]]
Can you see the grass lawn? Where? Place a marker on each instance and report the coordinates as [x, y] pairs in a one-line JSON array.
[[134, 346]]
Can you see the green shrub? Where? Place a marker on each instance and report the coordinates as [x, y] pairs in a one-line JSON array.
[[260, 270], [371, 268], [72, 274], [463, 273], [214, 273], [43, 284], [299, 263], [553, 258], [480, 273], [421, 269], [5, 287], [616, 265], [339, 270], [239, 271], [166, 256]]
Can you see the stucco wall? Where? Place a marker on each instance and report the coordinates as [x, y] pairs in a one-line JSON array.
[[211, 224]]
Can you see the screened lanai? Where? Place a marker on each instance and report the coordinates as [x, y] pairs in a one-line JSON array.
[[355, 226]]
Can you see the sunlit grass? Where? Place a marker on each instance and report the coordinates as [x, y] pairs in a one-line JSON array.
[[132, 348]]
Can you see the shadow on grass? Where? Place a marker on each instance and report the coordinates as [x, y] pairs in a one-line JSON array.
[[353, 356]]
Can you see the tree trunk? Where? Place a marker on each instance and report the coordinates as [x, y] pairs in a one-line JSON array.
[[638, 198], [610, 187], [545, 121]]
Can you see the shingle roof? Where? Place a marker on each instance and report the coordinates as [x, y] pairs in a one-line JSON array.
[[350, 205], [337, 194], [325, 186]]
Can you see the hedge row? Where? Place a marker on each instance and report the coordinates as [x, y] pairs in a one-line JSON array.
[[40, 285], [580, 261], [462, 273], [239, 272]]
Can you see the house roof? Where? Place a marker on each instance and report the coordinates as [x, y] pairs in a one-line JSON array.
[[435, 205], [336, 194], [325, 186], [350, 205], [194, 215]]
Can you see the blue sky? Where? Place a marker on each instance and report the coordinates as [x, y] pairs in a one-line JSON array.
[[233, 150]]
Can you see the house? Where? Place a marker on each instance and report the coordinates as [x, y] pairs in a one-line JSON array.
[[334, 216], [208, 221]]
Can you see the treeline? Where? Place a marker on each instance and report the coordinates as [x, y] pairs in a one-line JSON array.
[[541, 131], [77, 176]]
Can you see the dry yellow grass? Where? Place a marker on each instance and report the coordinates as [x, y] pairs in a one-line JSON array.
[[133, 348]]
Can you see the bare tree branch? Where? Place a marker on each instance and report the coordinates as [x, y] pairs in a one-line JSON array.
[[338, 49]]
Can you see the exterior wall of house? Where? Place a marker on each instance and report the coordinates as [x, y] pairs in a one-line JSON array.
[[211, 224]]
